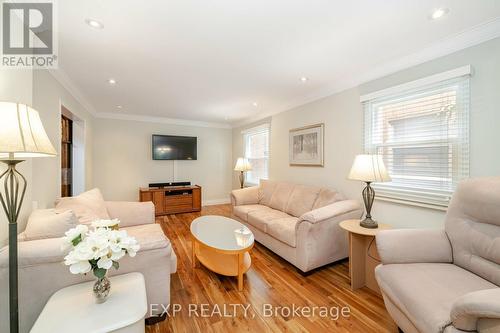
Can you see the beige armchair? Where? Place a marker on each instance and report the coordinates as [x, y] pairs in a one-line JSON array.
[[42, 272], [435, 281]]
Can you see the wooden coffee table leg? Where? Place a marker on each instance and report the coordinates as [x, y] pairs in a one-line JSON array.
[[240, 271], [193, 258]]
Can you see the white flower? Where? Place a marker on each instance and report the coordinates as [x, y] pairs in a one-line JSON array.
[[80, 267], [105, 263], [98, 248], [72, 234], [115, 256], [105, 223]]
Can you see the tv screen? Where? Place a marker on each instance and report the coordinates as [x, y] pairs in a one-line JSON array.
[[170, 147]]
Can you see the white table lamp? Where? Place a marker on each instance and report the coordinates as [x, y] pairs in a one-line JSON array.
[[242, 165], [369, 168], [21, 135]]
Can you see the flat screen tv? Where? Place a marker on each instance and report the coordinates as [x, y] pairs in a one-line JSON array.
[[171, 147]]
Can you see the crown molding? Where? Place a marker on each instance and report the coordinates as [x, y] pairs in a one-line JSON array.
[[476, 35], [61, 77], [161, 120]]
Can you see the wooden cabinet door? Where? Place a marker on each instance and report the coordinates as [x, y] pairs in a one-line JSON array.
[[197, 199], [159, 201]]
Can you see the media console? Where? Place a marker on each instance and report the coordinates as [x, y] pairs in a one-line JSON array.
[[173, 199]]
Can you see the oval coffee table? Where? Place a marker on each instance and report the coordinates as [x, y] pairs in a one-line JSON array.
[[222, 245]]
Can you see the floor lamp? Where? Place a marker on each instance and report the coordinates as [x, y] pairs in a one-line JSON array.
[[242, 165], [21, 135]]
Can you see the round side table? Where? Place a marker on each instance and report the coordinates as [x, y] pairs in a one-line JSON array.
[[363, 254]]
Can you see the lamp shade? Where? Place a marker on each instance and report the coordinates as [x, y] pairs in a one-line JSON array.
[[22, 133], [369, 168], [242, 165]]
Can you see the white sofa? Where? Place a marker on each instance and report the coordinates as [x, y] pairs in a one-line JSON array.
[[42, 271], [447, 281], [300, 223]]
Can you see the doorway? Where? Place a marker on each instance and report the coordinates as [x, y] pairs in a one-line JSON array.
[[66, 156]]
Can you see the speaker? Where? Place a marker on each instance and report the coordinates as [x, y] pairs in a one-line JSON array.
[[170, 184]]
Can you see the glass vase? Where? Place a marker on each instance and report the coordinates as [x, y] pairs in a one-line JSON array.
[[101, 289]]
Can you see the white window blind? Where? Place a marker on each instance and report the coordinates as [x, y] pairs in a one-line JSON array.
[[423, 136], [256, 142]]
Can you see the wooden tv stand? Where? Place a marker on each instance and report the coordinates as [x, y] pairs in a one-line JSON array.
[[173, 199]]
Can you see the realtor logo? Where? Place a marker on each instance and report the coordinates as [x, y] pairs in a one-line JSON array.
[[28, 35]]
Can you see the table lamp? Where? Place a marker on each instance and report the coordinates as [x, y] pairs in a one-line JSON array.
[[369, 168], [242, 165], [21, 135]]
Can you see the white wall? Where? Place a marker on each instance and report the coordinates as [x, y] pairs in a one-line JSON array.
[[342, 115], [123, 161], [48, 96]]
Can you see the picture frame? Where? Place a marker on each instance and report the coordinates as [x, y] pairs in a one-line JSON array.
[[306, 146]]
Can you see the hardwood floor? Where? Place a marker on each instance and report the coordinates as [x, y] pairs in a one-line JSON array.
[[270, 280]]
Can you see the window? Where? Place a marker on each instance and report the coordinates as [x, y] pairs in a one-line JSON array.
[[423, 135], [256, 142]]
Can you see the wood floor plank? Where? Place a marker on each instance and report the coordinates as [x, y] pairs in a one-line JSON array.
[[270, 280]]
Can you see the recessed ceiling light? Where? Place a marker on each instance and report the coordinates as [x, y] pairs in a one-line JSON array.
[[112, 82], [439, 13], [94, 23], [119, 107], [304, 79], [255, 104]]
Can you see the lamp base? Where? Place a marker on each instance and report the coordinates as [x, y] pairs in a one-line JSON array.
[[369, 223]]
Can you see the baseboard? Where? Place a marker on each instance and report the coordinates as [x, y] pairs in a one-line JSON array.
[[216, 202]]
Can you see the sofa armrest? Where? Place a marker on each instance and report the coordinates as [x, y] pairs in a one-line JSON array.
[[470, 308], [35, 252], [245, 196], [329, 211], [404, 246], [131, 213]]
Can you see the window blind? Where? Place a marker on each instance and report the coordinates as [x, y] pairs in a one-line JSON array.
[[423, 136], [256, 142]]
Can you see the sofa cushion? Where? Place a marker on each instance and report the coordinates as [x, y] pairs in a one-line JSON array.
[[301, 200], [327, 197], [425, 292], [46, 223], [473, 227], [266, 190], [283, 229], [149, 236], [242, 211], [88, 206], [281, 195], [261, 218]]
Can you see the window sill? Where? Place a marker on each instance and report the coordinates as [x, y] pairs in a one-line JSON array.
[[411, 203]]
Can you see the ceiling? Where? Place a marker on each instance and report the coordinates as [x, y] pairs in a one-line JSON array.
[[228, 61]]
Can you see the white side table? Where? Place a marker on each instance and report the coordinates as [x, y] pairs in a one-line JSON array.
[[73, 309]]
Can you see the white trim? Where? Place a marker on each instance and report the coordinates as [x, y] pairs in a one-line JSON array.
[[475, 35], [163, 120], [448, 75], [258, 128], [68, 84], [213, 202]]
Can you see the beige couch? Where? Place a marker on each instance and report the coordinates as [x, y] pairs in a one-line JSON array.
[[300, 223], [42, 272], [447, 280]]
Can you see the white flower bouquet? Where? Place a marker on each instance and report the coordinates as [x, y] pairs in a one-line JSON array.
[[97, 249]]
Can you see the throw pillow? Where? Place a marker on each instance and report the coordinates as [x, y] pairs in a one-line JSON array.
[[46, 223], [88, 206]]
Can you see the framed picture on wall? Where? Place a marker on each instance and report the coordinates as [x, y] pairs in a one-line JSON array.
[[306, 145]]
